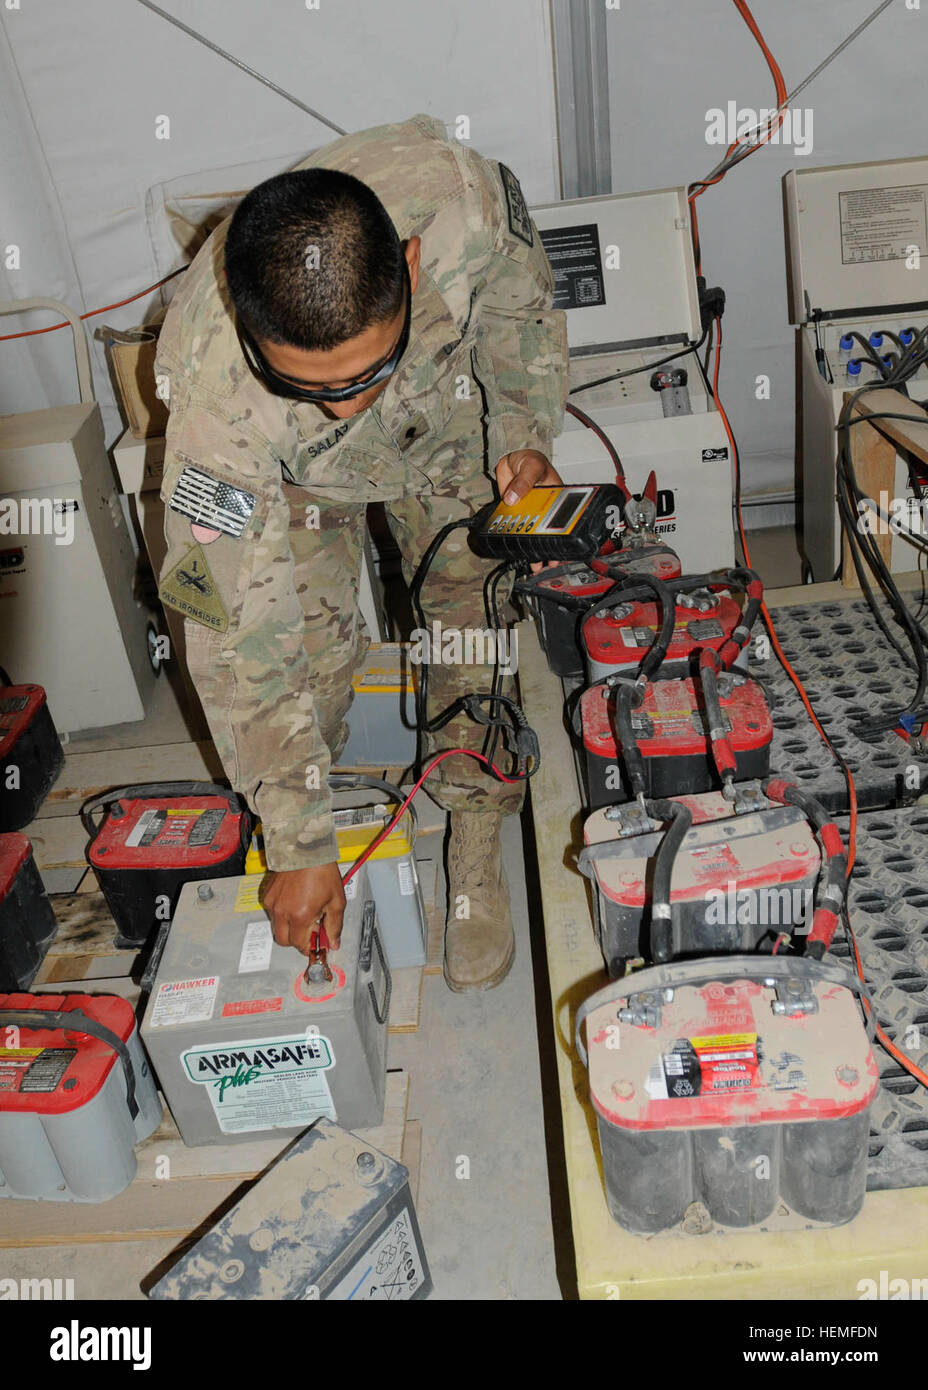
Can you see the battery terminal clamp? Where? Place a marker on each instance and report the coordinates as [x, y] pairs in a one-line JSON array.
[[794, 997], [318, 974]]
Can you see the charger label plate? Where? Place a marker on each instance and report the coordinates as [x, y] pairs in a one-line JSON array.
[[273, 1083]]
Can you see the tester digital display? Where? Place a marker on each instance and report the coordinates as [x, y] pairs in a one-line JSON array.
[[549, 523]]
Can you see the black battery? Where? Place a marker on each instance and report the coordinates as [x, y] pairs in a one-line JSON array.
[[563, 594], [31, 756], [740, 879], [672, 734], [27, 922], [155, 838]]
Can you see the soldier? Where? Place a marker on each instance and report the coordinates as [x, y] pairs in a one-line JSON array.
[[375, 325]]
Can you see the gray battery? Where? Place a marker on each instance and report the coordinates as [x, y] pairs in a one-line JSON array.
[[393, 875], [332, 1219], [382, 718], [240, 1042], [72, 1106]]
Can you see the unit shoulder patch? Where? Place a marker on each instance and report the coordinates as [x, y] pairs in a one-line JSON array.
[[210, 502], [520, 224], [190, 589]]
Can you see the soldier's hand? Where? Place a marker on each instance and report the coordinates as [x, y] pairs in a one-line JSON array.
[[296, 899], [519, 472]]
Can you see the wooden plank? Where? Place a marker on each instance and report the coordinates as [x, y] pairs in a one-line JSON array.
[[411, 1156], [87, 774], [911, 438], [874, 459], [405, 999], [197, 1182], [58, 842], [834, 591], [891, 1233], [86, 936]]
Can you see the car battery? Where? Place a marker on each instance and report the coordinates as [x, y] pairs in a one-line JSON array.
[[242, 1043], [27, 922], [31, 755], [616, 640], [740, 878], [391, 871], [332, 1219], [76, 1096], [672, 735], [155, 838], [564, 593], [740, 1084], [382, 716]]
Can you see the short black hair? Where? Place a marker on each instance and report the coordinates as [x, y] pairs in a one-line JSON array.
[[313, 259]]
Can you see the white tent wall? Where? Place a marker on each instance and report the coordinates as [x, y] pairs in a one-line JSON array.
[[88, 82], [671, 62]]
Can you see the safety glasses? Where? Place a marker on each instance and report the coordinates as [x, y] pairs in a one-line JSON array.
[[294, 390]]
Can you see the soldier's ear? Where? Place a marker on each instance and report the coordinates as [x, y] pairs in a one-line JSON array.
[[413, 252]]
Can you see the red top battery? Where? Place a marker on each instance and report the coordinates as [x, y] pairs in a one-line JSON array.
[[621, 639], [720, 1056], [183, 832], [14, 851], [671, 721], [722, 851], [19, 705], [52, 1070]]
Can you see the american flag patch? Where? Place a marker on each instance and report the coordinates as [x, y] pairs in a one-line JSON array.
[[209, 502]]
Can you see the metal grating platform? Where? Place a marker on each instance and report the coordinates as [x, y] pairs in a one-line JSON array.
[[850, 672], [889, 914]]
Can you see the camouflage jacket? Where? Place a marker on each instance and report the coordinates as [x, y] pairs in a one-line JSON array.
[[483, 308]]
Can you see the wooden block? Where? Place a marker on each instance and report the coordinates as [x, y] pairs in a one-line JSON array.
[[909, 437], [405, 999]]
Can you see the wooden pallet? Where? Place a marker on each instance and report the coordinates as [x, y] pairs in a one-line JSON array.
[[179, 1192]]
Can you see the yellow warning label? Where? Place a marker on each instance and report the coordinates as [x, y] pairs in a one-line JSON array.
[[190, 589], [186, 810], [246, 897], [20, 1051], [726, 1040]]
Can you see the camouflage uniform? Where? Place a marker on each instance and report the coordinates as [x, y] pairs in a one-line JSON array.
[[272, 624]]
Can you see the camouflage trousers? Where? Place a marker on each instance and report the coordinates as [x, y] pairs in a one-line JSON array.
[[327, 566]]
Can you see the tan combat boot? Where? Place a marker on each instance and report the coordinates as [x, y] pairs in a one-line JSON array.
[[479, 940]]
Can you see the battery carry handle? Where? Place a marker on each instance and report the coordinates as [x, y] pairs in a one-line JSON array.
[[676, 974], [37, 1019], [370, 937], [156, 790]]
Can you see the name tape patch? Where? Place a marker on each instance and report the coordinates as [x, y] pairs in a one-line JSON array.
[[520, 224], [209, 502]]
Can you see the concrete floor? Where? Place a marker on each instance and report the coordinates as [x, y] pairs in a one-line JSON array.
[[482, 1082]]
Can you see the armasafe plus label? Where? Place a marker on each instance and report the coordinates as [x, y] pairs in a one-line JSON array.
[[276, 1083]]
